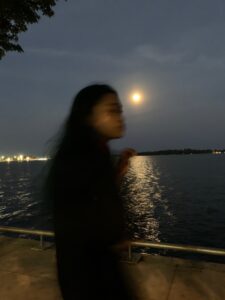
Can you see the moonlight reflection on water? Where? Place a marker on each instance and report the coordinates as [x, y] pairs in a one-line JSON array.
[[143, 197]]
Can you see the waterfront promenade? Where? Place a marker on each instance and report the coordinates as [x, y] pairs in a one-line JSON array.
[[27, 272]]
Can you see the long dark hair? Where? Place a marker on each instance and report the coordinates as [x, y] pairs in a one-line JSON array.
[[77, 133], [76, 139]]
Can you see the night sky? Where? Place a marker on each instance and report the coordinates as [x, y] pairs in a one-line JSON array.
[[173, 52]]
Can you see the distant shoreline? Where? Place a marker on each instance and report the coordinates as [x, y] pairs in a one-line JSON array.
[[26, 158], [182, 152]]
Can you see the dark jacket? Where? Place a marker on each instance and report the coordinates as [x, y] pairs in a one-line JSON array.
[[87, 202], [88, 220]]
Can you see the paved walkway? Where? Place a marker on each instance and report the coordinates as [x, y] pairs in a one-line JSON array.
[[26, 272]]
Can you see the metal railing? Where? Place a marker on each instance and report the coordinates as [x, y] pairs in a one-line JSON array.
[[184, 248], [138, 243], [40, 233]]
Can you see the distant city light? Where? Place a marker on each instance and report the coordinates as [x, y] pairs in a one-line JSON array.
[[217, 152], [22, 158]]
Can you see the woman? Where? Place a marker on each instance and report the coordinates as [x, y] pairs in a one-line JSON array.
[[87, 210]]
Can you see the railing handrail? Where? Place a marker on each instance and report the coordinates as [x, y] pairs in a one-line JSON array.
[[180, 247], [27, 231], [137, 243]]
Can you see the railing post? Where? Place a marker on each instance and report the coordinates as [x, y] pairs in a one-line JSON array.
[[129, 252], [41, 242]]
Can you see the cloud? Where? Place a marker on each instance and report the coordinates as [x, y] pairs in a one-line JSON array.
[[155, 54]]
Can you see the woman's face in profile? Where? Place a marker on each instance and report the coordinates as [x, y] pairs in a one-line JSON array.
[[107, 117]]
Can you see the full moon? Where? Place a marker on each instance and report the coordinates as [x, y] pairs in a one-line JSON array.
[[136, 98]]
